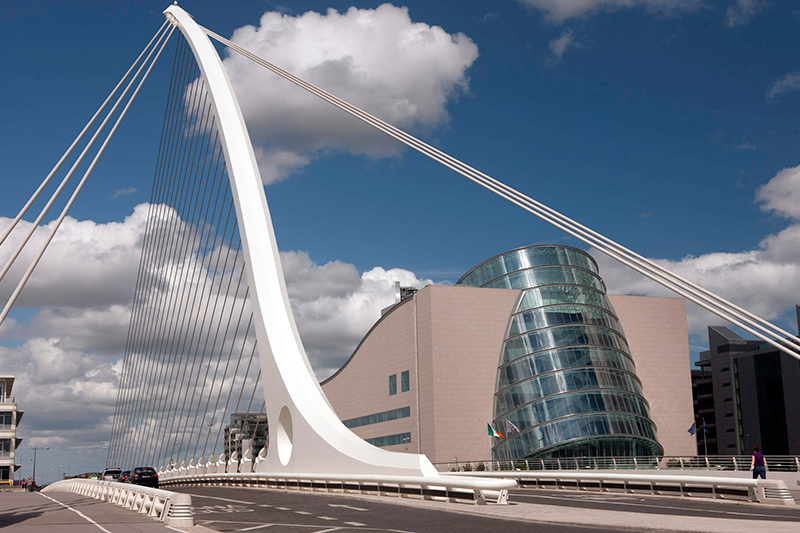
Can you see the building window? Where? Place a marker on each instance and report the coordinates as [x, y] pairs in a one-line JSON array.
[[5, 420], [404, 382], [392, 384], [385, 416], [5, 447], [5, 473], [390, 440]]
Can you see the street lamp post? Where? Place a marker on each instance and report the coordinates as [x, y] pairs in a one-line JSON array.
[[34, 460]]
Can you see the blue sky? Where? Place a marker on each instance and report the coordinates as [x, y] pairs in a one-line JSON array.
[[654, 124], [655, 129]]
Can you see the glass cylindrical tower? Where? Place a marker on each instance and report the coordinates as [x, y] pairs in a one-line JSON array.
[[566, 381]]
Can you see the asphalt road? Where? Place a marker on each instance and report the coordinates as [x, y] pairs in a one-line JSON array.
[[243, 509], [696, 507], [271, 511]]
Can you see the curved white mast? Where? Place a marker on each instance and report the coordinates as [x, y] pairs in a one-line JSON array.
[[305, 435]]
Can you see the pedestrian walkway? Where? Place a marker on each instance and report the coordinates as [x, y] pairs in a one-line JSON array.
[[64, 512]]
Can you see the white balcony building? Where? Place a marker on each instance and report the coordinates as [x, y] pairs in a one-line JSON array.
[[9, 420]]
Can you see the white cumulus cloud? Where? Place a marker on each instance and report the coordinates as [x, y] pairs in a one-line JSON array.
[[560, 10], [559, 46], [66, 355], [781, 194], [765, 280], [788, 83], [741, 12], [378, 59]]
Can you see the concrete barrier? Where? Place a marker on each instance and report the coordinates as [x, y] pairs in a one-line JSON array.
[[172, 508]]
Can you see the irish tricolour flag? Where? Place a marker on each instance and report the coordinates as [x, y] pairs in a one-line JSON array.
[[493, 433]]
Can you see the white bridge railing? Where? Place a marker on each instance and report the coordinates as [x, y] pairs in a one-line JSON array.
[[774, 463], [172, 508], [770, 491], [450, 488]]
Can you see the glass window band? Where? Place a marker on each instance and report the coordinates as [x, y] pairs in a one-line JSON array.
[[526, 258], [560, 315], [385, 416], [531, 440], [390, 440], [550, 275], [559, 359], [558, 336], [564, 381], [556, 407]]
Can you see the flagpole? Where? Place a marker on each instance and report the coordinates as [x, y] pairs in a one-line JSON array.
[[705, 436]]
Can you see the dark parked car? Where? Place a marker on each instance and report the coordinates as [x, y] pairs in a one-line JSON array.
[[144, 476], [125, 477]]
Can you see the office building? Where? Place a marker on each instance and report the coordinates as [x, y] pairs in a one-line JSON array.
[[755, 391], [529, 343], [246, 430]]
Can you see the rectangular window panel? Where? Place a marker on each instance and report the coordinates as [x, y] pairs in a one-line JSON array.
[[404, 382], [392, 384], [385, 416], [390, 440]]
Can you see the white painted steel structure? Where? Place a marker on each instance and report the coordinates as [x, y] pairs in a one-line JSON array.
[[172, 508], [306, 436], [463, 488], [770, 491], [307, 439]]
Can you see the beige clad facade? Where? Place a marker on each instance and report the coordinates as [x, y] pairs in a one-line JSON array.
[[449, 339], [657, 334]]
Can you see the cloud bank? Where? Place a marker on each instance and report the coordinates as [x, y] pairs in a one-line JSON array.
[[765, 280], [378, 59], [66, 354]]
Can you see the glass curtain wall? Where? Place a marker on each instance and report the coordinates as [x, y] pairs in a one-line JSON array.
[[566, 382]]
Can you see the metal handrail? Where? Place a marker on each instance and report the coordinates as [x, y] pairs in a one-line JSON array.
[[773, 463], [770, 491], [475, 489]]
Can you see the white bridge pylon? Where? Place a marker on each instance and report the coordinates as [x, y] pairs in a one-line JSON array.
[[305, 434]]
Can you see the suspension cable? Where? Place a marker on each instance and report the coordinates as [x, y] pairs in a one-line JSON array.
[[71, 201], [767, 331], [46, 180]]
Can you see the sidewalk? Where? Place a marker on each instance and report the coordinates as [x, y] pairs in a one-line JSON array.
[[32, 512]]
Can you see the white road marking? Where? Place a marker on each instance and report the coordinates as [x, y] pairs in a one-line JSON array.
[[283, 508], [216, 509], [302, 512], [261, 526], [216, 498], [265, 505], [654, 506], [76, 512], [327, 518], [346, 507], [355, 524], [328, 530]]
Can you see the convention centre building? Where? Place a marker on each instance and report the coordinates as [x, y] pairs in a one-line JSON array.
[[526, 356]]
